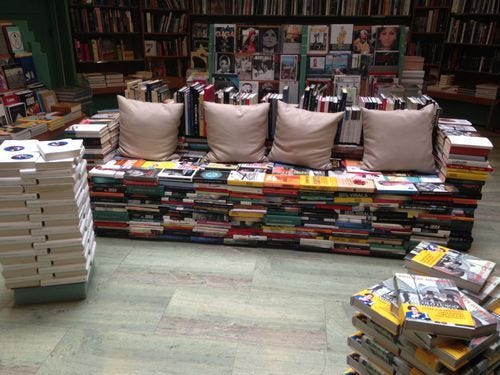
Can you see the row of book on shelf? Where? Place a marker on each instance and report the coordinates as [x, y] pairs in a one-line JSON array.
[[302, 8], [442, 317]]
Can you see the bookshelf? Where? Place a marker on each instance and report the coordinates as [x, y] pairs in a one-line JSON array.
[[472, 47], [130, 35], [429, 24], [106, 35], [166, 40]]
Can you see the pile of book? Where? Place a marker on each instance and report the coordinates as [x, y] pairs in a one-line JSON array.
[[412, 78], [446, 80], [94, 80], [46, 227], [487, 90], [344, 210], [114, 79], [442, 319], [76, 94], [462, 158], [413, 63], [100, 135]]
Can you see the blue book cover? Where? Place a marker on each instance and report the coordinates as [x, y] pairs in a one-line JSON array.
[[26, 62]]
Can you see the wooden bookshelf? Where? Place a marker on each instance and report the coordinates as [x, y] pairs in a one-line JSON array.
[[491, 103], [109, 90]]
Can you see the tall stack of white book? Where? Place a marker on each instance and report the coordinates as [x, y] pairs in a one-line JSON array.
[[46, 228]]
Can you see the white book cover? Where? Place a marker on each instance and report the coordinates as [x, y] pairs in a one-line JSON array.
[[60, 149], [472, 142], [18, 159]]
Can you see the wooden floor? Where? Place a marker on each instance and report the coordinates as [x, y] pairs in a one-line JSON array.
[[174, 308]]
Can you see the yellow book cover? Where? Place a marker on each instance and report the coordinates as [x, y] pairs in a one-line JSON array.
[[433, 305], [318, 183], [159, 164], [375, 302], [466, 176], [467, 271]]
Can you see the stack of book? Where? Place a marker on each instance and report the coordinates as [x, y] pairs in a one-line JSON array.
[[46, 228], [53, 120], [466, 90], [100, 135], [487, 90], [114, 79], [346, 209], [412, 78], [413, 63], [427, 325], [462, 159], [446, 80], [94, 80], [76, 94]]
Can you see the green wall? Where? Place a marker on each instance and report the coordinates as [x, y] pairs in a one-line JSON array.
[[45, 30]]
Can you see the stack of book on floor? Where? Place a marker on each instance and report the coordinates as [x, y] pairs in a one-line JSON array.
[[462, 159], [46, 228], [419, 324], [346, 209], [100, 135]]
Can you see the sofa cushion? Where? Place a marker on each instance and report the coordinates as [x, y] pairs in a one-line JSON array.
[[236, 133], [399, 140], [304, 137], [148, 130]]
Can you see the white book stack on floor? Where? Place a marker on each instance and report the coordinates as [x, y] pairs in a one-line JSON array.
[[46, 227]]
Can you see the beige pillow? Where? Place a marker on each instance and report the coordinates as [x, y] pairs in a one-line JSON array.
[[148, 130], [303, 137], [236, 133], [399, 140]]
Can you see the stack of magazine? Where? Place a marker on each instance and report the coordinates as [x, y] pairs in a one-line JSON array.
[[442, 319]]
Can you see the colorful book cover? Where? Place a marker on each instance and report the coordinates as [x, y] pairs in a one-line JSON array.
[[433, 305], [242, 178], [25, 61], [468, 271], [324, 183], [376, 301]]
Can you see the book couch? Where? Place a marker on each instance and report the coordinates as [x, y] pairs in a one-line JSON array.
[[263, 199]]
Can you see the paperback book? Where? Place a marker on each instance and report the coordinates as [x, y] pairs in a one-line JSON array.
[[432, 305], [375, 302], [467, 271]]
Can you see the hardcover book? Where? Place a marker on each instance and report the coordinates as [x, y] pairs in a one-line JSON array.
[[467, 271], [432, 305]]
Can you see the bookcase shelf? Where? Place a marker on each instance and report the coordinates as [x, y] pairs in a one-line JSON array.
[[164, 34], [278, 19]]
